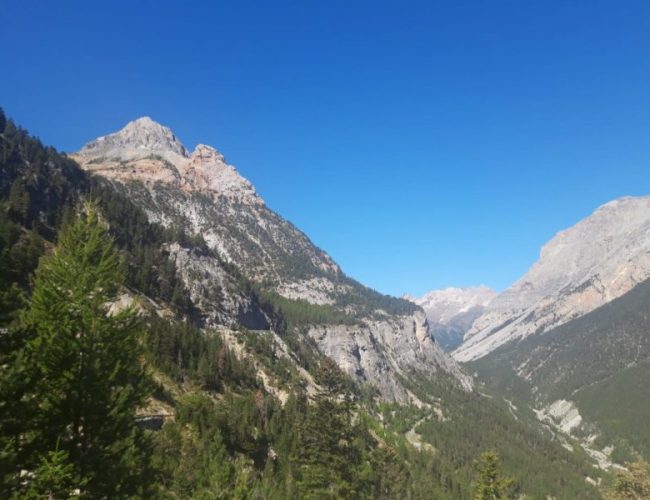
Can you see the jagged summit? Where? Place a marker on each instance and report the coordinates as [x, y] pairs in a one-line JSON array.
[[146, 151], [141, 136]]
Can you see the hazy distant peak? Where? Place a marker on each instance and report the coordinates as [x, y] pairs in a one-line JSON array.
[[451, 311], [473, 295]]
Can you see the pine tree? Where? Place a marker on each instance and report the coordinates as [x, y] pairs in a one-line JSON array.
[[54, 478], [19, 200], [491, 485], [389, 474], [327, 458], [631, 484], [87, 363]]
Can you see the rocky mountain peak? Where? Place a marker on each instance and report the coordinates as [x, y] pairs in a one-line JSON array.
[[140, 137], [583, 267], [149, 152]]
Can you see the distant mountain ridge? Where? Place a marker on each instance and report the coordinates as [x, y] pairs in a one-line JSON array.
[[451, 311], [586, 266]]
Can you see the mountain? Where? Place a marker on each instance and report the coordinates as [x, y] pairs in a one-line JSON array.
[[592, 372], [586, 266], [376, 339], [452, 311], [243, 399]]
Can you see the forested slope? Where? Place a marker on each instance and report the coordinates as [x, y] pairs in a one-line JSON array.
[[252, 414]]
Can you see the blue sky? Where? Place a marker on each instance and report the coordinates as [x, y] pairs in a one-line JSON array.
[[422, 144]]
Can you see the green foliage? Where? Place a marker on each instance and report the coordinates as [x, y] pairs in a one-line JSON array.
[[490, 484], [39, 190], [150, 271], [266, 351], [300, 312], [601, 361], [390, 475], [327, 458], [619, 406], [472, 423], [367, 300], [54, 477], [631, 484], [18, 201], [203, 454], [84, 369], [20, 250], [183, 351]]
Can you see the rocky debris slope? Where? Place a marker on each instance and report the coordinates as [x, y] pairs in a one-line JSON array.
[[588, 265], [451, 311], [201, 193]]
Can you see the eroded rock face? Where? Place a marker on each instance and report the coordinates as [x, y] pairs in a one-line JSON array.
[[597, 260], [379, 351], [214, 291], [205, 195]]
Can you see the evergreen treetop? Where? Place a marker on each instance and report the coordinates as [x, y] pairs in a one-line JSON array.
[[86, 363]]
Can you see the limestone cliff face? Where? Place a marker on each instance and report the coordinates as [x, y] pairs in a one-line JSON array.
[[380, 351], [206, 196], [588, 265]]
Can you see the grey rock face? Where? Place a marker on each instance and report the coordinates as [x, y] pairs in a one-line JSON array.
[[214, 291], [588, 265]]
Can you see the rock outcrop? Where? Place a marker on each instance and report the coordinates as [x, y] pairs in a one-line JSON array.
[[380, 351]]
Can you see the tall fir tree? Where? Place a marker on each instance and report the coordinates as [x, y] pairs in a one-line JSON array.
[[327, 459], [86, 364], [491, 484]]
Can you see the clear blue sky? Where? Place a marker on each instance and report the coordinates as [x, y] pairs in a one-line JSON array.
[[422, 144]]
